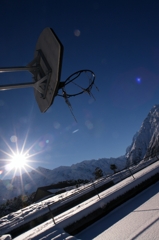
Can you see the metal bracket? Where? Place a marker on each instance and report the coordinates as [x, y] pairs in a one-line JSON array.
[[36, 68]]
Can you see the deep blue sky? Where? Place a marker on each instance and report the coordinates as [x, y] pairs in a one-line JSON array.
[[119, 41]]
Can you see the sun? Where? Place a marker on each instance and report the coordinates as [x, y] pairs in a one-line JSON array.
[[18, 161]]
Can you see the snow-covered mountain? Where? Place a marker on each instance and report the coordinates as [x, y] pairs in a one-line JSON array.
[[29, 182], [145, 142]]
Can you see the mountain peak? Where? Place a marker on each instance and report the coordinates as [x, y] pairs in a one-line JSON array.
[[40, 177], [145, 142]]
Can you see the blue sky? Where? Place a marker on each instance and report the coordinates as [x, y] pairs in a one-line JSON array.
[[117, 40]]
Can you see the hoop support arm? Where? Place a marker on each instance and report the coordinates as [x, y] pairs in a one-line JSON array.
[[35, 69], [14, 86], [17, 69], [37, 85]]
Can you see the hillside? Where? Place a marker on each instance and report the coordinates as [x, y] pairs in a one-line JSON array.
[[144, 143], [43, 177]]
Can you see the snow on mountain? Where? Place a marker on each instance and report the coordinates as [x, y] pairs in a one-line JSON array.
[[146, 141], [29, 182]]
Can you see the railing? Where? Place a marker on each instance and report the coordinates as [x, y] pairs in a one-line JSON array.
[[21, 216]]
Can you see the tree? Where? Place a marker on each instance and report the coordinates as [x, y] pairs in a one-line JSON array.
[[98, 173], [113, 167]]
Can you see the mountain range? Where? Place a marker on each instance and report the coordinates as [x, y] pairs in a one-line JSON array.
[[144, 144]]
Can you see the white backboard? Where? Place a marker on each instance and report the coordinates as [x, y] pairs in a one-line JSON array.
[[50, 52]]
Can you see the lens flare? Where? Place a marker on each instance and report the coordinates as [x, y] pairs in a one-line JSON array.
[[138, 80], [20, 160]]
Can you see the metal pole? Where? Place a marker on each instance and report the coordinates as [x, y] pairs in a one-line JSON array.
[[37, 85], [14, 86], [131, 173], [51, 214], [95, 189], [17, 69]]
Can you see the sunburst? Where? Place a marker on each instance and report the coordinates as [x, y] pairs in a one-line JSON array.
[[19, 160]]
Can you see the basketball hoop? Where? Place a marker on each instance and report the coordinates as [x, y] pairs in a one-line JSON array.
[[46, 71], [75, 85], [72, 78]]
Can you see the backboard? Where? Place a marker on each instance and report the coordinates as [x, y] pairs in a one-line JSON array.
[[48, 59], [46, 70]]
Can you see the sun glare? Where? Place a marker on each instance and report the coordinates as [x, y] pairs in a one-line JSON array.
[[18, 161]]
